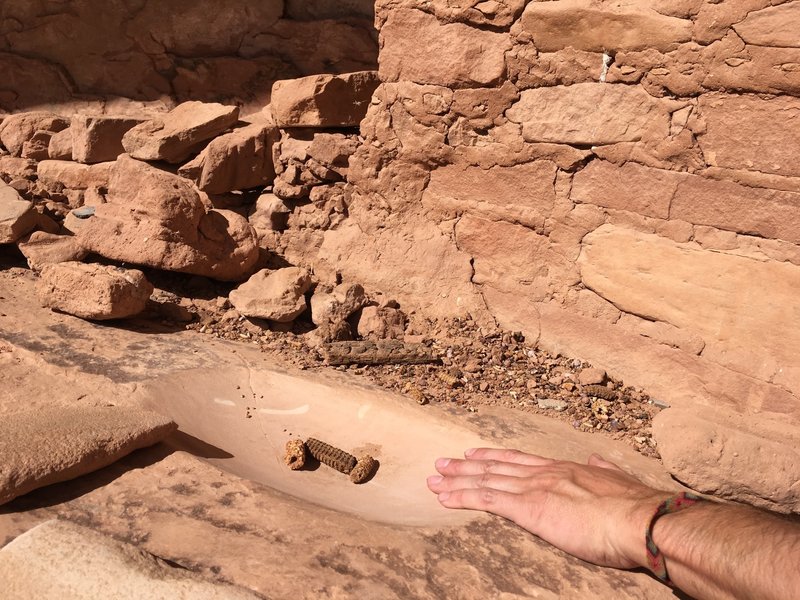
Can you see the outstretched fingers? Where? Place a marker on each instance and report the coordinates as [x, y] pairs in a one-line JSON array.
[[510, 456], [503, 504], [455, 467], [503, 483]]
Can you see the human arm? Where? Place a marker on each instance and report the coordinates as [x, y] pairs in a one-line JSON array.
[[600, 514]]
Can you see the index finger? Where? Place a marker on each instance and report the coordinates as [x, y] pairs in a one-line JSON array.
[[506, 455]]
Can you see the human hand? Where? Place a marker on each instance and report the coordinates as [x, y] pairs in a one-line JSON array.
[[596, 512]]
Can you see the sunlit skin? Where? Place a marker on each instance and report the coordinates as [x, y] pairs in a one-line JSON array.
[[599, 513]]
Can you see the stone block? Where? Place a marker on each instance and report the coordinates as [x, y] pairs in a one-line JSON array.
[[18, 129], [42, 248], [323, 100], [97, 139], [771, 26], [54, 174], [17, 216], [275, 295]]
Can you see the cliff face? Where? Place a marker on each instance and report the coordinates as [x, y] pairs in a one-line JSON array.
[[217, 50]]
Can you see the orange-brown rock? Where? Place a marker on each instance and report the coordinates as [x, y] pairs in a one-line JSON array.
[[42, 248], [323, 100], [239, 160], [20, 128], [60, 146], [98, 138], [178, 134], [93, 291], [17, 216], [60, 559], [274, 295], [381, 323], [58, 443], [58, 174], [161, 222]]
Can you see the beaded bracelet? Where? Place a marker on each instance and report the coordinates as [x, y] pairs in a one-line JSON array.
[[673, 504]]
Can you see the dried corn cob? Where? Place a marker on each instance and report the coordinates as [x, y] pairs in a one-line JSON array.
[[295, 454], [600, 391], [364, 468], [331, 456]]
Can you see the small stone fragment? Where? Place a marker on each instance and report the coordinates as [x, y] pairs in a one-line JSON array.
[[551, 404], [592, 376], [295, 454], [364, 469]]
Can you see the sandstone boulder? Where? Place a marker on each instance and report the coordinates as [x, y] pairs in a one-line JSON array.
[[48, 445], [42, 248], [323, 100], [17, 216], [18, 129], [59, 174], [274, 295], [17, 167], [161, 222], [269, 213], [239, 160], [92, 291], [60, 559], [381, 323], [60, 146], [337, 304], [180, 133], [97, 139], [739, 457]]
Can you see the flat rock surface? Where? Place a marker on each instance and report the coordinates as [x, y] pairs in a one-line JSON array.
[[238, 519], [48, 445], [59, 559]]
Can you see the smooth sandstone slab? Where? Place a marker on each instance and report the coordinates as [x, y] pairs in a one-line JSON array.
[[43, 248], [274, 295], [587, 113], [583, 25], [772, 26], [72, 175], [741, 307], [59, 559], [739, 457], [17, 216], [98, 138], [48, 445]]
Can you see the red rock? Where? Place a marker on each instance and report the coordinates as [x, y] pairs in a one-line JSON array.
[[60, 147], [92, 291], [161, 222], [269, 213], [36, 147], [97, 139], [55, 174], [323, 100], [18, 129], [592, 376], [588, 113], [337, 304], [42, 248], [381, 323], [175, 136], [274, 295], [14, 167], [771, 26], [240, 160], [745, 458], [449, 54], [17, 216], [584, 25]]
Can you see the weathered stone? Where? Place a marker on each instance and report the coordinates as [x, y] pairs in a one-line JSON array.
[[17, 167], [17, 216], [36, 148], [269, 214], [522, 193], [323, 100], [630, 187], [592, 376], [749, 132], [60, 147], [60, 559], [337, 304], [58, 443], [97, 139], [180, 133], [739, 457], [771, 26], [588, 113], [92, 291], [54, 174], [42, 248], [716, 295], [381, 323], [18, 129], [161, 222], [727, 205], [551, 404], [274, 295], [239, 160], [584, 25], [451, 54]]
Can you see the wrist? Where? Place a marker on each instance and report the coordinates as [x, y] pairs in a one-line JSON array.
[[638, 520]]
